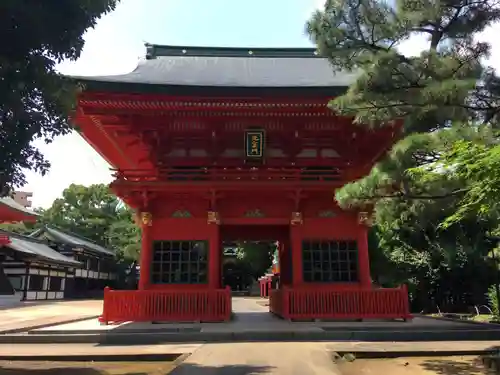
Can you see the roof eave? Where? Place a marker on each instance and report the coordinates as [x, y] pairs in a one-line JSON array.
[[93, 84]]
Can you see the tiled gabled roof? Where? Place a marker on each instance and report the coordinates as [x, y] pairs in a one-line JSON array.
[[177, 66], [72, 239]]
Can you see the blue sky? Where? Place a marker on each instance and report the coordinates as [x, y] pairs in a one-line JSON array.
[[117, 43]]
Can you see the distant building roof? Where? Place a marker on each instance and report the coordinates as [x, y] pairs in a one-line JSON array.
[[40, 250], [59, 235], [22, 197], [176, 66], [10, 210]]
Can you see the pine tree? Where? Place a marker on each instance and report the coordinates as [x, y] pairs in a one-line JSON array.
[[443, 96]]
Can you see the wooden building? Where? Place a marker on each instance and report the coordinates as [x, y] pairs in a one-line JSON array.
[[212, 145], [11, 212], [33, 269], [97, 268]]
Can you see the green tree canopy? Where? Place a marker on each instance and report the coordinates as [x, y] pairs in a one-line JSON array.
[[97, 214], [441, 172], [444, 94], [34, 99]]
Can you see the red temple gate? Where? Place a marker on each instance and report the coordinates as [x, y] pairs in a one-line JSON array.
[[212, 143]]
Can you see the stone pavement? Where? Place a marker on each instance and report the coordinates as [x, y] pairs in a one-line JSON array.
[[302, 358], [263, 358], [405, 348], [249, 315], [38, 314]]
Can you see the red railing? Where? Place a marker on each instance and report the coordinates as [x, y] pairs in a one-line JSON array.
[[265, 283], [231, 174], [166, 306], [350, 304]]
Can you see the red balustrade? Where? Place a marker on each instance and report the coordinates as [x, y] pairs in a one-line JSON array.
[[384, 303], [166, 306], [265, 286]]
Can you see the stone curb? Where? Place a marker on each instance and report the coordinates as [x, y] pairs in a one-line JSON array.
[[363, 354], [171, 330], [252, 336], [44, 325], [486, 325]]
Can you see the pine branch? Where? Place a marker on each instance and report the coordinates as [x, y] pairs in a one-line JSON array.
[[408, 196]]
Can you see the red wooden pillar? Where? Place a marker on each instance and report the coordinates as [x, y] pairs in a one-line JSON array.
[[282, 262], [146, 254], [296, 254], [214, 257], [364, 258]]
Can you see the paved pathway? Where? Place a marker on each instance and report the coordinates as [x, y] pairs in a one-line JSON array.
[[336, 346], [259, 358], [31, 315]]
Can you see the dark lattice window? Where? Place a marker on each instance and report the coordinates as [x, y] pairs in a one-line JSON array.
[[36, 283], [180, 262], [93, 263], [330, 261], [55, 284]]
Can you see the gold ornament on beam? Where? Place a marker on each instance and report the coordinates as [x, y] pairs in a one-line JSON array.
[[147, 219], [364, 218], [213, 218], [296, 218]]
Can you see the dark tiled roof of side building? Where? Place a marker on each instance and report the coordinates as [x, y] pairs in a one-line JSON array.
[[232, 67], [40, 250], [58, 235]]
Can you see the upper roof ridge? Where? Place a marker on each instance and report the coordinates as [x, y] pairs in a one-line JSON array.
[[155, 50]]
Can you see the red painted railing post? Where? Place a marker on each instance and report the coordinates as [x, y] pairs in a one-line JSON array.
[[229, 308], [406, 302], [103, 319], [285, 304]]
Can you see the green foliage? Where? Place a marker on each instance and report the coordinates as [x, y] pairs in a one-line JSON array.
[[493, 300], [34, 99], [479, 165], [21, 228], [435, 192], [443, 85], [257, 256], [96, 213]]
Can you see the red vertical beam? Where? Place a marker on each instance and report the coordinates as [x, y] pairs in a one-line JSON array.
[[146, 259], [282, 263], [363, 258], [215, 258], [296, 247]]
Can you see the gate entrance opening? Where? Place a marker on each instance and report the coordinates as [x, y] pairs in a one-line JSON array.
[[225, 140], [255, 246]]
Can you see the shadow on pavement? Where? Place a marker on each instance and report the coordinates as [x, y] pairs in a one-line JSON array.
[[183, 369], [192, 369], [454, 367], [55, 371]]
